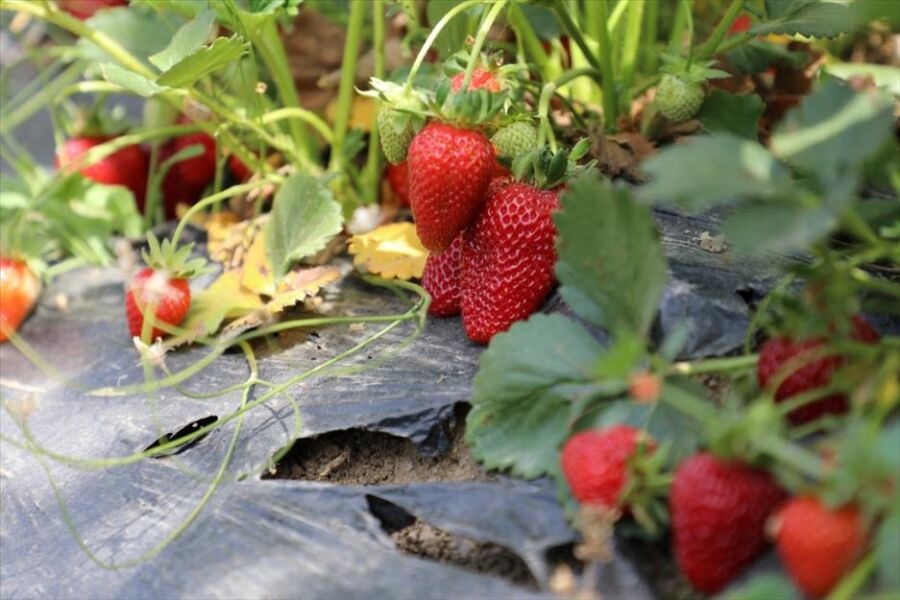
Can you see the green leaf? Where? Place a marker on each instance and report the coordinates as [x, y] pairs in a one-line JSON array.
[[834, 131], [528, 378], [131, 81], [726, 112], [204, 61], [758, 55], [611, 265], [780, 226], [140, 32], [887, 547], [304, 218], [764, 587], [814, 18], [269, 6], [711, 169], [884, 76], [187, 40]]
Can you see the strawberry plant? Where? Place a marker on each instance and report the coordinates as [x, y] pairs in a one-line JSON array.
[[503, 152]]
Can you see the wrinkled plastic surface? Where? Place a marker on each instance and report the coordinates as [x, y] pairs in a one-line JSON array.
[[267, 538]]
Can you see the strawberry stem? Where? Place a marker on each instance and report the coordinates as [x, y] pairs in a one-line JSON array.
[[429, 41], [715, 365], [711, 47], [483, 30]]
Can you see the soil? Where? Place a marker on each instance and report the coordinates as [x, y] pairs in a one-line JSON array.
[[429, 542], [359, 457]]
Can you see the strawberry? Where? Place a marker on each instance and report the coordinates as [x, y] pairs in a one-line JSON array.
[[240, 171], [508, 258], [719, 510], [19, 289], [595, 464], [170, 296], [678, 98], [398, 178], [777, 351], [200, 170], [162, 287], [482, 79], [396, 131], [442, 279], [449, 171], [741, 24], [127, 167], [85, 9], [514, 139], [175, 190], [818, 545]]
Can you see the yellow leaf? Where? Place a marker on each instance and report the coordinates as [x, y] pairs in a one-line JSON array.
[[296, 286], [223, 299], [392, 251], [257, 275], [362, 112]]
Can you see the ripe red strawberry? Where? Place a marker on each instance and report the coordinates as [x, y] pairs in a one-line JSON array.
[[449, 171], [398, 178], [595, 463], [170, 296], [442, 279], [240, 171], [508, 258], [175, 190], [740, 24], [818, 545], [482, 79], [19, 289], [126, 167], [719, 510], [200, 170], [85, 9], [778, 351]]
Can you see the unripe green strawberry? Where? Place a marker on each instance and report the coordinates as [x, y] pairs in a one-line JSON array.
[[516, 138], [397, 131], [678, 99]]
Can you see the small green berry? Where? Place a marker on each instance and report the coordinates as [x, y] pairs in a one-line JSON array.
[[397, 131], [516, 138], [678, 100]]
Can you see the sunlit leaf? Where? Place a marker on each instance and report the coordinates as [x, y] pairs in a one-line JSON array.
[[392, 251]]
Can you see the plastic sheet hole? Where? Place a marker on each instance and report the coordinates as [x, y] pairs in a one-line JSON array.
[[419, 538], [186, 430]]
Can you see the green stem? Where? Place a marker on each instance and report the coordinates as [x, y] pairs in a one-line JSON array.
[[50, 13], [212, 199], [604, 65], [529, 38], [676, 35], [429, 41], [852, 583], [648, 42], [304, 115], [790, 454], [546, 131], [632, 43], [483, 31], [271, 50], [345, 92], [711, 47], [33, 102], [715, 365], [373, 160]]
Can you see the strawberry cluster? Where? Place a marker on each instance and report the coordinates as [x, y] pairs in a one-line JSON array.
[[491, 236]]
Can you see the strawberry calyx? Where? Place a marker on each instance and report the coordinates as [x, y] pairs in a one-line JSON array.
[[174, 260], [95, 122], [548, 170], [690, 71], [645, 493]]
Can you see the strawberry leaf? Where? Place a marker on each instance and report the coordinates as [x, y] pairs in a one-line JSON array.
[[131, 81], [528, 377], [304, 218], [814, 18], [222, 52], [834, 132], [611, 265], [732, 168], [187, 40], [140, 32], [887, 549], [726, 112]]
